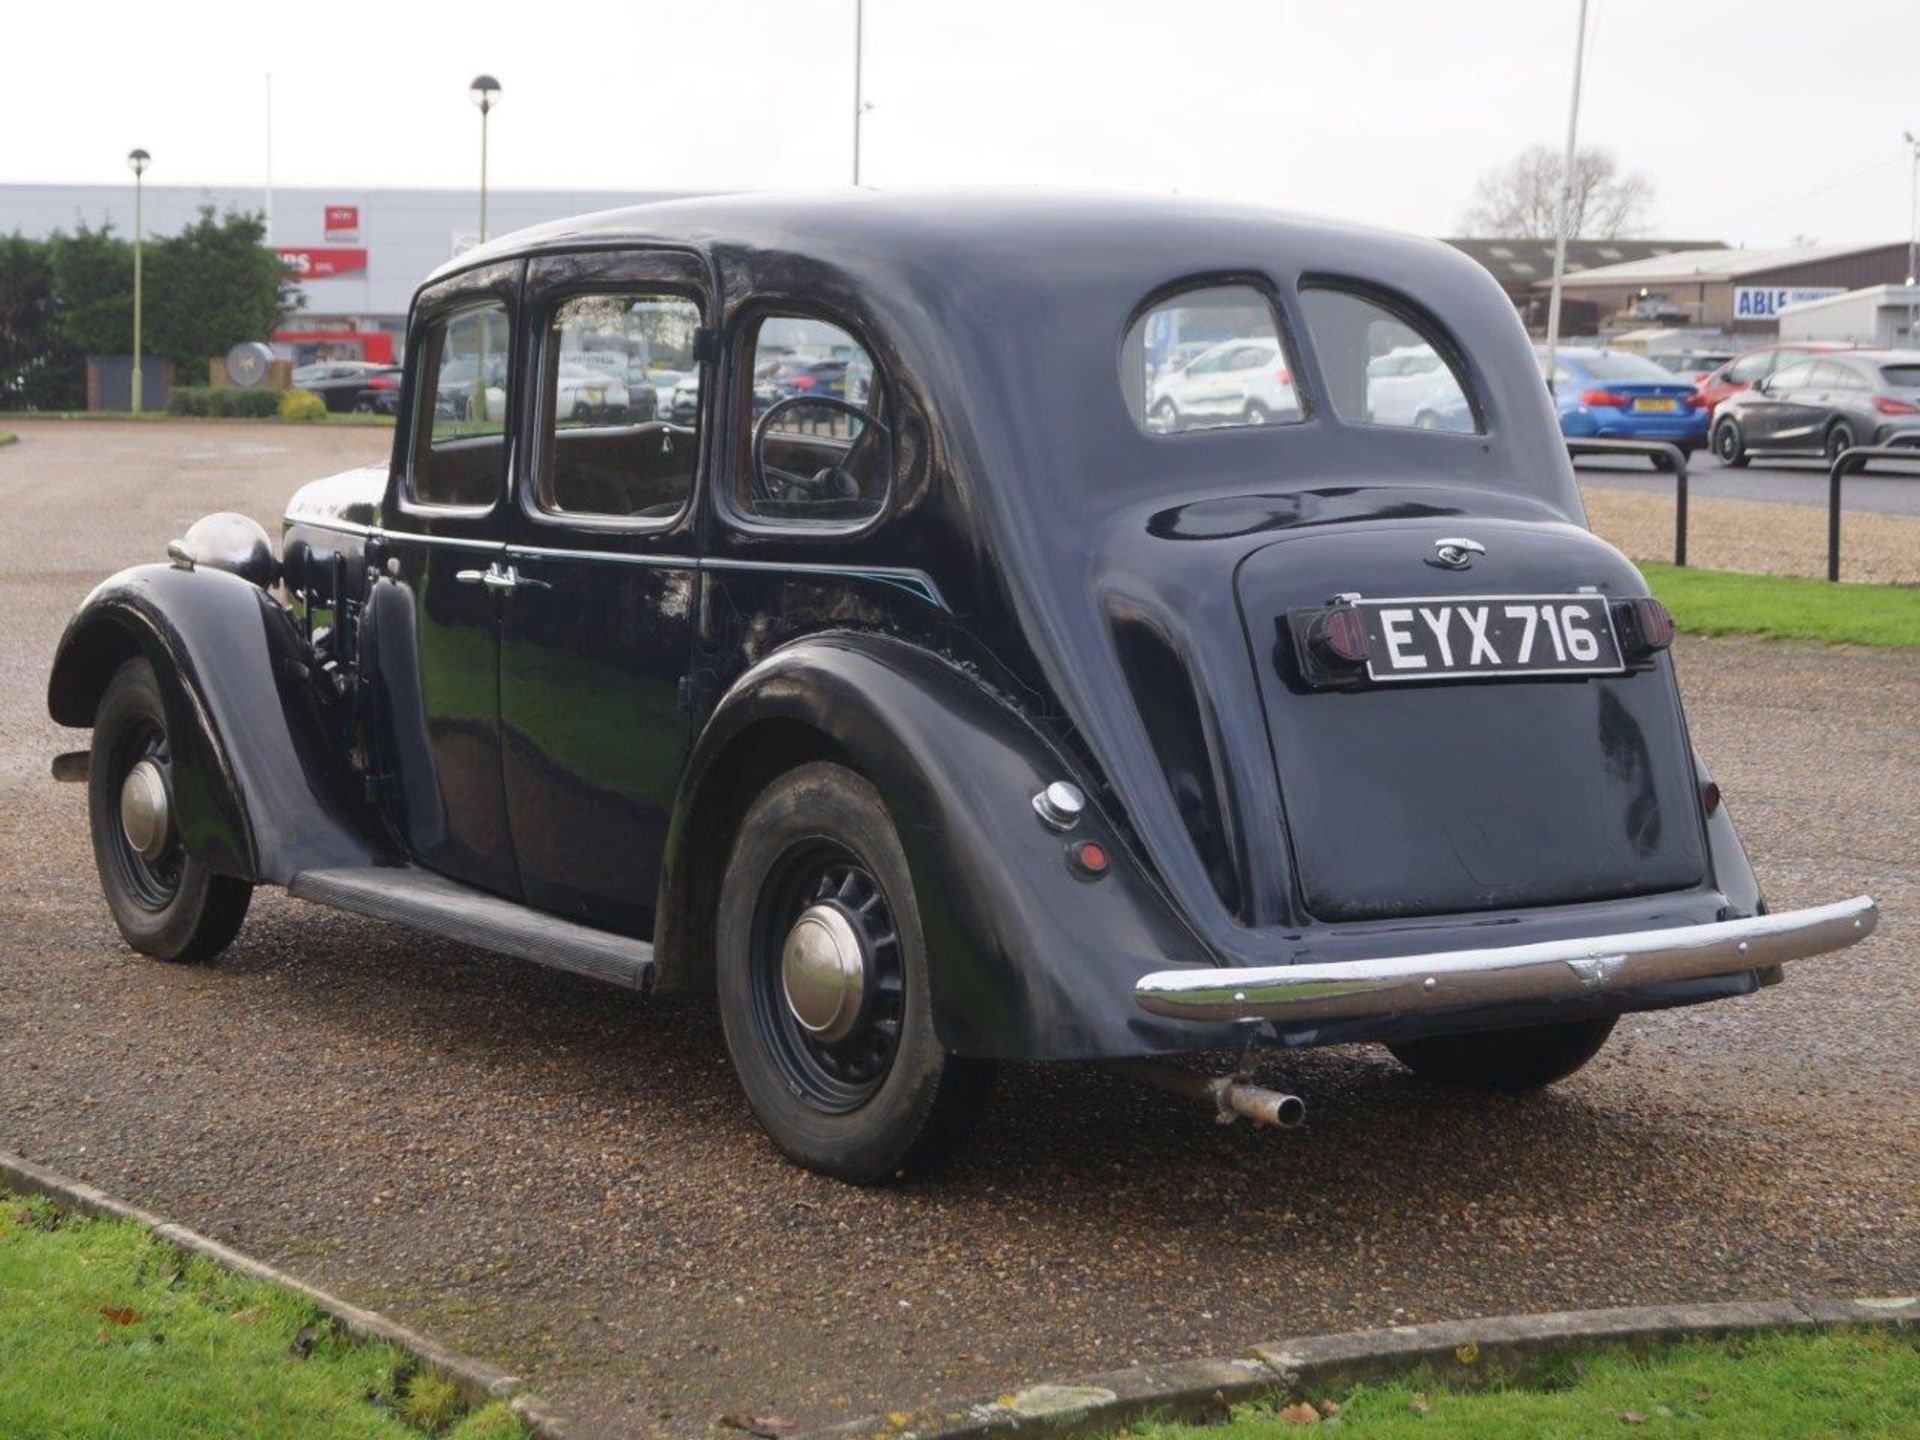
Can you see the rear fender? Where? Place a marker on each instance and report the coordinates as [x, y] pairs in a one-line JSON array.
[[260, 790], [1029, 959]]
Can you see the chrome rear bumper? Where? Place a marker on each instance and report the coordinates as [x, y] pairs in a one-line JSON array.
[[1461, 979]]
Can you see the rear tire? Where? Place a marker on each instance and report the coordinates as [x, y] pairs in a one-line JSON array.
[[1729, 446], [1167, 416], [1839, 440], [1257, 413], [1525, 1059], [167, 904], [885, 1097]]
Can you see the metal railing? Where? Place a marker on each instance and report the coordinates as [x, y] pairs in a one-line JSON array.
[[1655, 450], [1844, 464]]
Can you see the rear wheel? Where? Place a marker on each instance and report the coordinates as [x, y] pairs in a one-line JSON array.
[[1729, 445], [1525, 1059], [1257, 413], [1166, 416], [822, 975], [1839, 440], [166, 903]]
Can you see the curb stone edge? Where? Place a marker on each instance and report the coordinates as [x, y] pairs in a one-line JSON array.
[[1201, 1389], [478, 1382]]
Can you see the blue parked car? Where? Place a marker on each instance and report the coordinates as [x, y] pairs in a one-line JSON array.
[[1617, 395]]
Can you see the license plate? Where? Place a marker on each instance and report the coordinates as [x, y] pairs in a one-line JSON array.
[[1485, 637], [1664, 407]]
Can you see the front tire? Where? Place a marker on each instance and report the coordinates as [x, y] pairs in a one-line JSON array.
[[1513, 1060], [167, 904], [822, 978], [1729, 446]]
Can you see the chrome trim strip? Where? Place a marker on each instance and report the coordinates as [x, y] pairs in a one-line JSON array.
[[1548, 970], [915, 582]]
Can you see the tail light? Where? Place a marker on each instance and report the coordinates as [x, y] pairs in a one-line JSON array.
[[1887, 405], [1283, 375], [383, 382], [1342, 633], [1605, 399], [803, 382], [1645, 626], [1698, 401]]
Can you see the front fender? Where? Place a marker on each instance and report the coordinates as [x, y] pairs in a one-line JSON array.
[[1028, 958], [259, 790]]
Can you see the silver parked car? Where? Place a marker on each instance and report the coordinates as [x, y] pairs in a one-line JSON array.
[[1822, 406]]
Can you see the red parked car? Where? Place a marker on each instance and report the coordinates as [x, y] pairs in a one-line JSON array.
[[1741, 371]]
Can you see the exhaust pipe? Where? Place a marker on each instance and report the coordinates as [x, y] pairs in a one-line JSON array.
[[1233, 1097]]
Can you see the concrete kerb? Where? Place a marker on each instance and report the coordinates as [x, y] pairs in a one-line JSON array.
[[1316, 1366], [478, 1382]]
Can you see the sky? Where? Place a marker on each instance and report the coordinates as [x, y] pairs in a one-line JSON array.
[[1760, 122]]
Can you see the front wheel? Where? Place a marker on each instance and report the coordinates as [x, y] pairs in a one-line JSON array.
[[1729, 446], [822, 977], [1524, 1059], [166, 903]]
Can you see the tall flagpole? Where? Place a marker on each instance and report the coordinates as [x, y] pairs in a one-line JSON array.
[[859, 35]]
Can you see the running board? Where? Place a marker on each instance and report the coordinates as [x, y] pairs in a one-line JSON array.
[[422, 900]]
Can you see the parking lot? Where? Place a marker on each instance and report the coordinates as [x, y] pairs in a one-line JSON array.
[[1891, 489], [564, 1177]]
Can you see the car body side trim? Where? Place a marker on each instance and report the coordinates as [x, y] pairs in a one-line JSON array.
[[1546, 971], [913, 581]]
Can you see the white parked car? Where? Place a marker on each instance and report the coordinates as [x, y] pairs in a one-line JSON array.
[[588, 392], [1407, 384], [1237, 382]]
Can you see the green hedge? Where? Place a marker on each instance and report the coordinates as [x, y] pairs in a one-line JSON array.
[[224, 402]]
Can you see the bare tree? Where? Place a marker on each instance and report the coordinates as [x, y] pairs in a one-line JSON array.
[[1521, 199]]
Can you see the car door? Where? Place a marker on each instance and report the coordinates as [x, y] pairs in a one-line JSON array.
[[1766, 410], [434, 613], [1799, 395], [599, 611]]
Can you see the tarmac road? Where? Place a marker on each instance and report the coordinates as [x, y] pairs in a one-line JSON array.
[[564, 1178], [1890, 488]]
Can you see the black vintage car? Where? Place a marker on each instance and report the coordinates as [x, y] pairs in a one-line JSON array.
[[964, 716]]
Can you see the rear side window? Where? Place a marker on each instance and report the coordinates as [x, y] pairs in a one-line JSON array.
[[618, 438], [460, 442], [1207, 358], [1418, 386], [1794, 377], [821, 447]]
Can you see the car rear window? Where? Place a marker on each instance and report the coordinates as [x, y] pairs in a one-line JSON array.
[[1420, 386], [1620, 365], [1905, 377], [1205, 359]]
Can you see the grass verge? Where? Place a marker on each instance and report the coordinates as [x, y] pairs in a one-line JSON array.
[[1728, 602], [7, 437], [108, 1332], [1779, 1386]]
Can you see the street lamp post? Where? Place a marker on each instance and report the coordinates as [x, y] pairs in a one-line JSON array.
[[1913, 209], [485, 91], [859, 107], [1566, 198], [137, 159]]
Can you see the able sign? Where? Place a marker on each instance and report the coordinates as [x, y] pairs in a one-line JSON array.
[[1765, 302]]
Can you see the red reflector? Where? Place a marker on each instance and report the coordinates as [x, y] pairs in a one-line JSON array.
[[1710, 797], [1344, 631], [1653, 624], [1091, 856], [1887, 405], [383, 382], [1605, 399]]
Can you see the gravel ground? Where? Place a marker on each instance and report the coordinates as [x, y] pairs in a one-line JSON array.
[[564, 1178], [1760, 535]]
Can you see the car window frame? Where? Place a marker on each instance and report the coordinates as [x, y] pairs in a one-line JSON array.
[[1777, 380], [1417, 318], [743, 334], [526, 485], [492, 285]]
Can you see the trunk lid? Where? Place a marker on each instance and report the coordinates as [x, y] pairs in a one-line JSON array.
[[1459, 795]]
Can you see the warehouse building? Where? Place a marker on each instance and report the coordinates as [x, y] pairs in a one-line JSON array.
[[359, 252], [1521, 264], [1883, 317], [1740, 292]]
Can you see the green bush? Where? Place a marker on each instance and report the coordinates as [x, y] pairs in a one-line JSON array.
[[302, 405], [224, 402]]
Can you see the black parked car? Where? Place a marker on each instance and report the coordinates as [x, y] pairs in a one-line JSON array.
[[1823, 406], [351, 384], [970, 719]]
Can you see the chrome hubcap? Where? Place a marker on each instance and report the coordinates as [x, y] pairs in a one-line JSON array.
[[144, 817], [823, 973]]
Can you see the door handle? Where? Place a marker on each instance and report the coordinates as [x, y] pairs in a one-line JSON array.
[[516, 581], [499, 580]]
